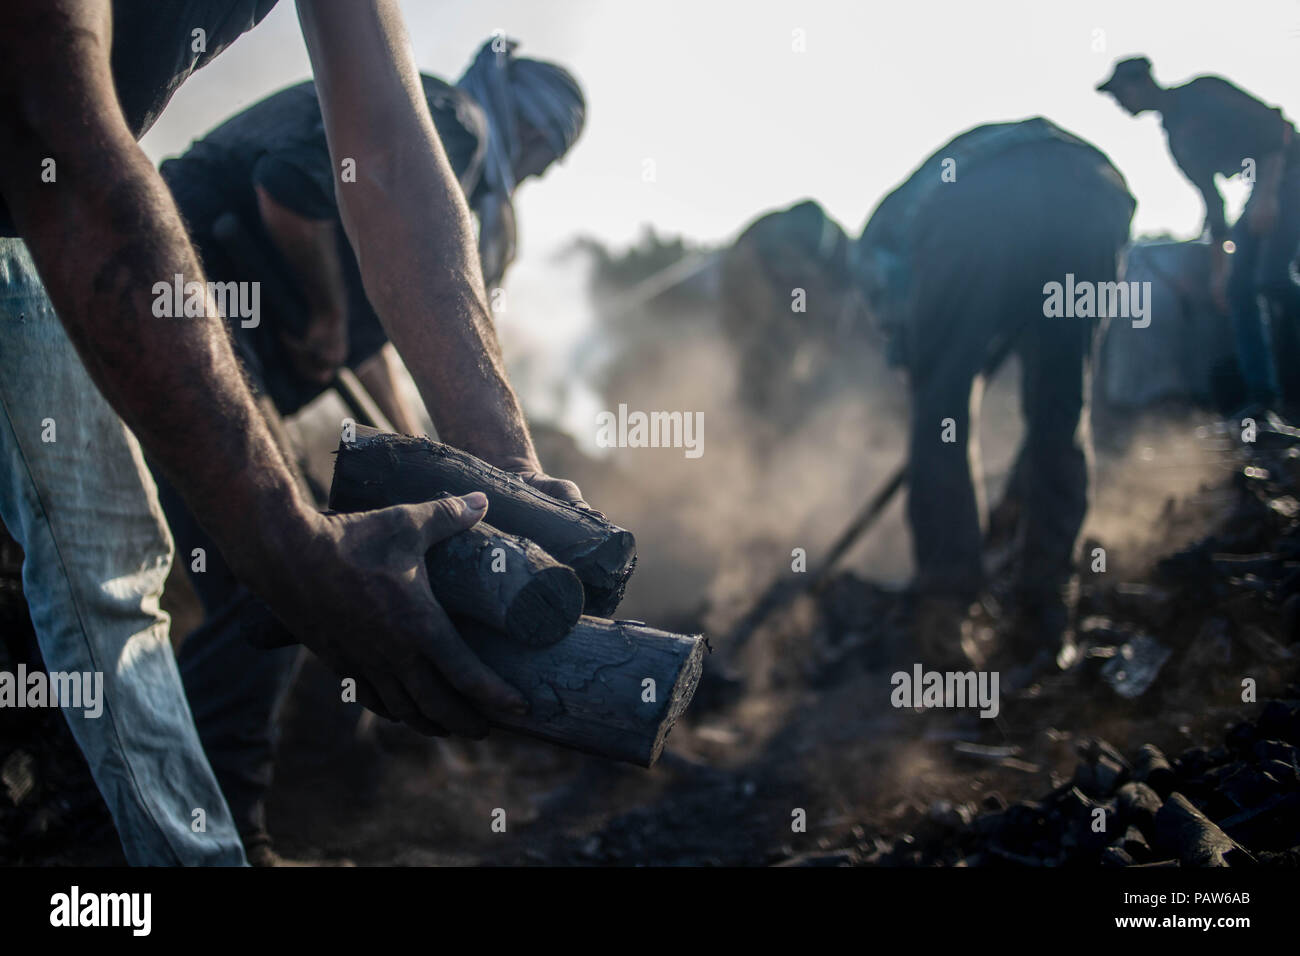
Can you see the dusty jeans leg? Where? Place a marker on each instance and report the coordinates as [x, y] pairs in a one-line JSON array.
[[76, 494], [235, 690]]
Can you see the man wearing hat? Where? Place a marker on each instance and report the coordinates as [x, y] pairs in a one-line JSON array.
[[1215, 128]]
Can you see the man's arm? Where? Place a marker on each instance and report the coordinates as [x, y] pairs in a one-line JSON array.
[[410, 227], [1215, 220], [379, 375], [310, 248], [101, 236]]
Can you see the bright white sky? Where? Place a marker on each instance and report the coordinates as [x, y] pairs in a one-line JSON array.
[[736, 122]]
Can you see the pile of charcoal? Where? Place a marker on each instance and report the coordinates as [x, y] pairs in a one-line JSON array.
[[1236, 804], [1226, 607], [1214, 622]]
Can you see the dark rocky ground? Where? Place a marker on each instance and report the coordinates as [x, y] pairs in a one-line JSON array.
[[801, 721]]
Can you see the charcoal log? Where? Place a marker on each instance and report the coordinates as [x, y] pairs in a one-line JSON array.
[[1280, 750], [1116, 856], [506, 582], [1281, 720], [1183, 830], [1099, 778], [377, 469], [1241, 737], [1247, 787], [1135, 844], [1138, 806], [483, 574], [611, 688], [1154, 769]]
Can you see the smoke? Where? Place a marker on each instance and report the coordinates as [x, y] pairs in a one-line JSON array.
[[546, 323], [714, 531], [1165, 459]]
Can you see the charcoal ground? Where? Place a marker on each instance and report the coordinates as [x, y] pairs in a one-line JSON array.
[[800, 728]]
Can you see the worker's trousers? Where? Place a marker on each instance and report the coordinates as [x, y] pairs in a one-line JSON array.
[[981, 271], [236, 690], [76, 495], [1264, 301]]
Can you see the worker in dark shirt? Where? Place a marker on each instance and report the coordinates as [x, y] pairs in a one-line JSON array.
[[94, 364], [269, 167], [268, 170], [955, 265], [1214, 128]]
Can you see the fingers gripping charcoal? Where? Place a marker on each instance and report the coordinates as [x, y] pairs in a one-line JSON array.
[[610, 688], [482, 574], [376, 470]]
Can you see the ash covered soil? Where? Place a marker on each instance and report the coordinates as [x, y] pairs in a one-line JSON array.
[[799, 727]]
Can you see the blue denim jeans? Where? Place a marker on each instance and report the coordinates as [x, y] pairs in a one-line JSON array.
[[75, 493]]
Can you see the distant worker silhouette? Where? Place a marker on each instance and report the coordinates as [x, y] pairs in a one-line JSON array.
[[1215, 128]]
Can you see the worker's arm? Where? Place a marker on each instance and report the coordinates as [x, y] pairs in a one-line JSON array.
[[379, 375], [310, 248], [1217, 225], [1215, 220], [409, 225], [351, 587]]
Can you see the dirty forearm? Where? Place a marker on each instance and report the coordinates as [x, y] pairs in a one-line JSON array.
[[103, 234], [408, 222], [377, 374], [173, 380]]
